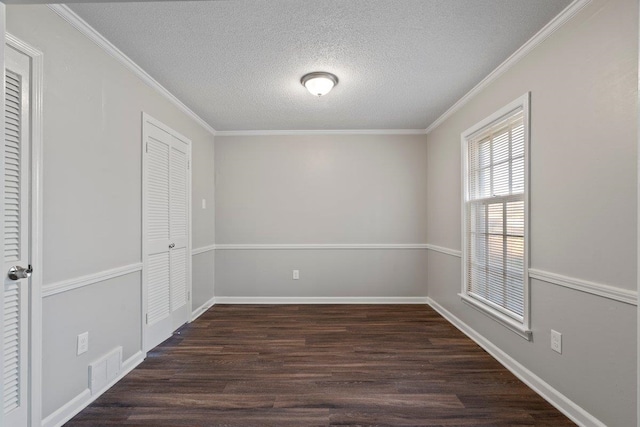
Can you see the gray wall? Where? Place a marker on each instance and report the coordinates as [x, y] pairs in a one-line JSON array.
[[92, 196], [583, 217], [321, 189], [202, 187]]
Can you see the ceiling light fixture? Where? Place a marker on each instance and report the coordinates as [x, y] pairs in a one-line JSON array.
[[319, 83]]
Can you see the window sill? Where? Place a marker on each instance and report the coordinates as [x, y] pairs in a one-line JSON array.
[[504, 320]]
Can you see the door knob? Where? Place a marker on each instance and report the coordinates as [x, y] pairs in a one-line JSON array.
[[171, 246], [16, 272]]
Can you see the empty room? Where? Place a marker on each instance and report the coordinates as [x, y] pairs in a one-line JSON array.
[[320, 213]]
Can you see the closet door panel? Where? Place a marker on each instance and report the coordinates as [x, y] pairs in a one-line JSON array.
[[167, 231]]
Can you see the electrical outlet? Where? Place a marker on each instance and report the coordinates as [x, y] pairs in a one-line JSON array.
[[296, 274], [556, 341], [204, 203], [83, 343]]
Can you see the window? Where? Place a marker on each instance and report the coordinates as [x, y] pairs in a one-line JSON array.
[[495, 277]]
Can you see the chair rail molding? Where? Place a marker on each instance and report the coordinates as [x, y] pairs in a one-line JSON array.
[[203, 249], [89, 279], [606, 291], [443, 250], [243, 246]]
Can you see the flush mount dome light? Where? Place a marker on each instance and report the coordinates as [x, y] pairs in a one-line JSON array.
[[319, 83]]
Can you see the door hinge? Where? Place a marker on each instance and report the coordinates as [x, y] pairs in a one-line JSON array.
[[188, 295], [146, 147], [146, 316]]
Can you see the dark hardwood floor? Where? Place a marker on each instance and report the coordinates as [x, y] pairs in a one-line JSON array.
[[320, 365]]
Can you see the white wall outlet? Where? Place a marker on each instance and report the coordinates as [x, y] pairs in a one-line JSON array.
[[83, 343], [296, 274], [204, 203], [556, 341]]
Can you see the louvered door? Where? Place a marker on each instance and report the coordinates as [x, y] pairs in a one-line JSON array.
[[167, 231], [15, 308], [179, 231]]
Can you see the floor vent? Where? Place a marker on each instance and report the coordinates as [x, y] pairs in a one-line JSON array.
[[104, 370]]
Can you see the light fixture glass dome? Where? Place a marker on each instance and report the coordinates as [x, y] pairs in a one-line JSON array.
[[319, 83]]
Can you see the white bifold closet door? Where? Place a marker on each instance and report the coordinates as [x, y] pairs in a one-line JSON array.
[[167, 261]]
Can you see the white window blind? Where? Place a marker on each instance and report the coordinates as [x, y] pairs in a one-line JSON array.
[[495, 215]]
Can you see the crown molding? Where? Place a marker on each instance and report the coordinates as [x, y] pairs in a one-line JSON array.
[[321, 132], [546, 31], [81, 25]]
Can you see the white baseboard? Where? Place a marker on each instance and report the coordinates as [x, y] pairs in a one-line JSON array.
[[321, 300], [204, 307], [84, 399], [565, 405]]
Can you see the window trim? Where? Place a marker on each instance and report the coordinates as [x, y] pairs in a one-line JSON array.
[[520, 328]]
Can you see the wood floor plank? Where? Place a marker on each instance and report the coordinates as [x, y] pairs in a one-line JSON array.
[[319, 365]]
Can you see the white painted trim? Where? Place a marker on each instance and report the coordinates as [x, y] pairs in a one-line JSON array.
[[229, 247], [556, 23], [36, 218], [89, 279], [521, 326], [68, 410], [203, 249], [565, 405], [84, 399], [321, 132], [506, 321], [79, 24], [606, 291], [204, 307], [447, 251], [617, 294], [321, 300]]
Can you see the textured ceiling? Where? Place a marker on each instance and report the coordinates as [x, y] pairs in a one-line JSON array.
[[401, 63]]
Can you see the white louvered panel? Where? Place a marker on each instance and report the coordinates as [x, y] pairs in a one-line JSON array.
[[157, 190], [11, 356], [178, 278], [178, 194], [12, 173], [158, 299]]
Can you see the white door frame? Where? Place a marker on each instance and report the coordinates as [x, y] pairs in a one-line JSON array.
[[143, 321], [35, 242]]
